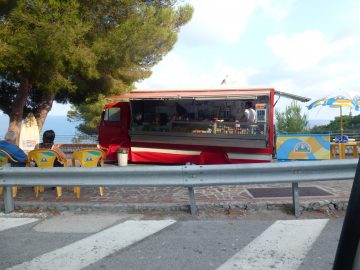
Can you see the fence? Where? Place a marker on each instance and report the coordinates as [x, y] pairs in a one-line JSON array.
[[353, 134], [83, 138], [189, 176], [92, 139], [69, 149]]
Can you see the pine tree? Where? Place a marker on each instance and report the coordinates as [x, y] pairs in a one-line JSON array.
[[292, 120], [74, 50]]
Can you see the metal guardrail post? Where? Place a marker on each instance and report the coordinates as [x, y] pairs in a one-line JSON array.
[[295, 197], [8, 200], [192, 201], [347, 254]]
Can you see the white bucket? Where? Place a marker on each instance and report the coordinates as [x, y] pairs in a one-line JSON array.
[[122, 159]]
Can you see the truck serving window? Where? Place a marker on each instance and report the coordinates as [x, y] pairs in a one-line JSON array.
[[112, 114], [199, 116]]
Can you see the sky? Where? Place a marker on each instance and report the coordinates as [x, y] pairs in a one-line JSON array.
[[305, 47]]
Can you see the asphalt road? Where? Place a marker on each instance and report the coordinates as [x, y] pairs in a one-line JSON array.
[[96, 240]]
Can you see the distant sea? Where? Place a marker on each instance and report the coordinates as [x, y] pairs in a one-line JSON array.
[[318, 122], [58, 123]]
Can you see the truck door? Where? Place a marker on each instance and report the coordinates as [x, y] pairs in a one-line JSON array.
[[114, 125]]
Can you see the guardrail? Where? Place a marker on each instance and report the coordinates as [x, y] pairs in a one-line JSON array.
[[189, 176]]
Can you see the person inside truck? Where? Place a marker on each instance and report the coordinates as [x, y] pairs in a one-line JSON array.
[[138, 119], [181, 112], [249, 114]]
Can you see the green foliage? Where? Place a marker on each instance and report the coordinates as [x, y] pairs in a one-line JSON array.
[[128, 41], [88, 114], [75, 50], [43, 42], [291, 120], [6, 6], [41, 47], [351, 124]]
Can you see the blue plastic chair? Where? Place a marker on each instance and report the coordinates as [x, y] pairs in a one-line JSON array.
[[341, 138]]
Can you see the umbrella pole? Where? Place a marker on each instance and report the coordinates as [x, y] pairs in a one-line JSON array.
[[341, 145], [341, 126]]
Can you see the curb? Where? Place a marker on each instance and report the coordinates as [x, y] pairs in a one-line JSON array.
[[326, 206]]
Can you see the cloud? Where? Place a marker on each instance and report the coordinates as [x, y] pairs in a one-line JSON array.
[[219, 21], [309, 63], [307, 49], [215, 21], [177, 72], [316, 65], [338, 76]]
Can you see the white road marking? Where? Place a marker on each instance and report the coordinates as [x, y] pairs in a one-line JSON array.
[[8, 223], [282, 246], [39, 215], [69, 222], [95, 247]]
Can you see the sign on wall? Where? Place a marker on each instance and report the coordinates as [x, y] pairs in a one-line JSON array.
[[29, 134], [303, 146]]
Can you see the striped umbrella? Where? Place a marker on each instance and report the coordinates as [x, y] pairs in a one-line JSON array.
[[334, 102], [356, 101]]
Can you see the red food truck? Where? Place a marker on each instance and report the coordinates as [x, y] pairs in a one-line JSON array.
[[191, 126]]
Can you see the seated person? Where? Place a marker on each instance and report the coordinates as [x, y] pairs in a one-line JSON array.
[[9, 145], [48, 143]]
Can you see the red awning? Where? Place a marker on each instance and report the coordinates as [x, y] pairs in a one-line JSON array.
[[206, 93], [250, 93]]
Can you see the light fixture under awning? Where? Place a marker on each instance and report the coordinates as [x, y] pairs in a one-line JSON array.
[[226, 98]]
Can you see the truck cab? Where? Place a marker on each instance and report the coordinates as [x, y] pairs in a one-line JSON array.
[[114, 128]]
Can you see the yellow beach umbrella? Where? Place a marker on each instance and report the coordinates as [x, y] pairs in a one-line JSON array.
[[334, 102]]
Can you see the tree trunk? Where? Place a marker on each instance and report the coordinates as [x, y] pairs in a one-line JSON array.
[[17, 110], [43, 109]]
